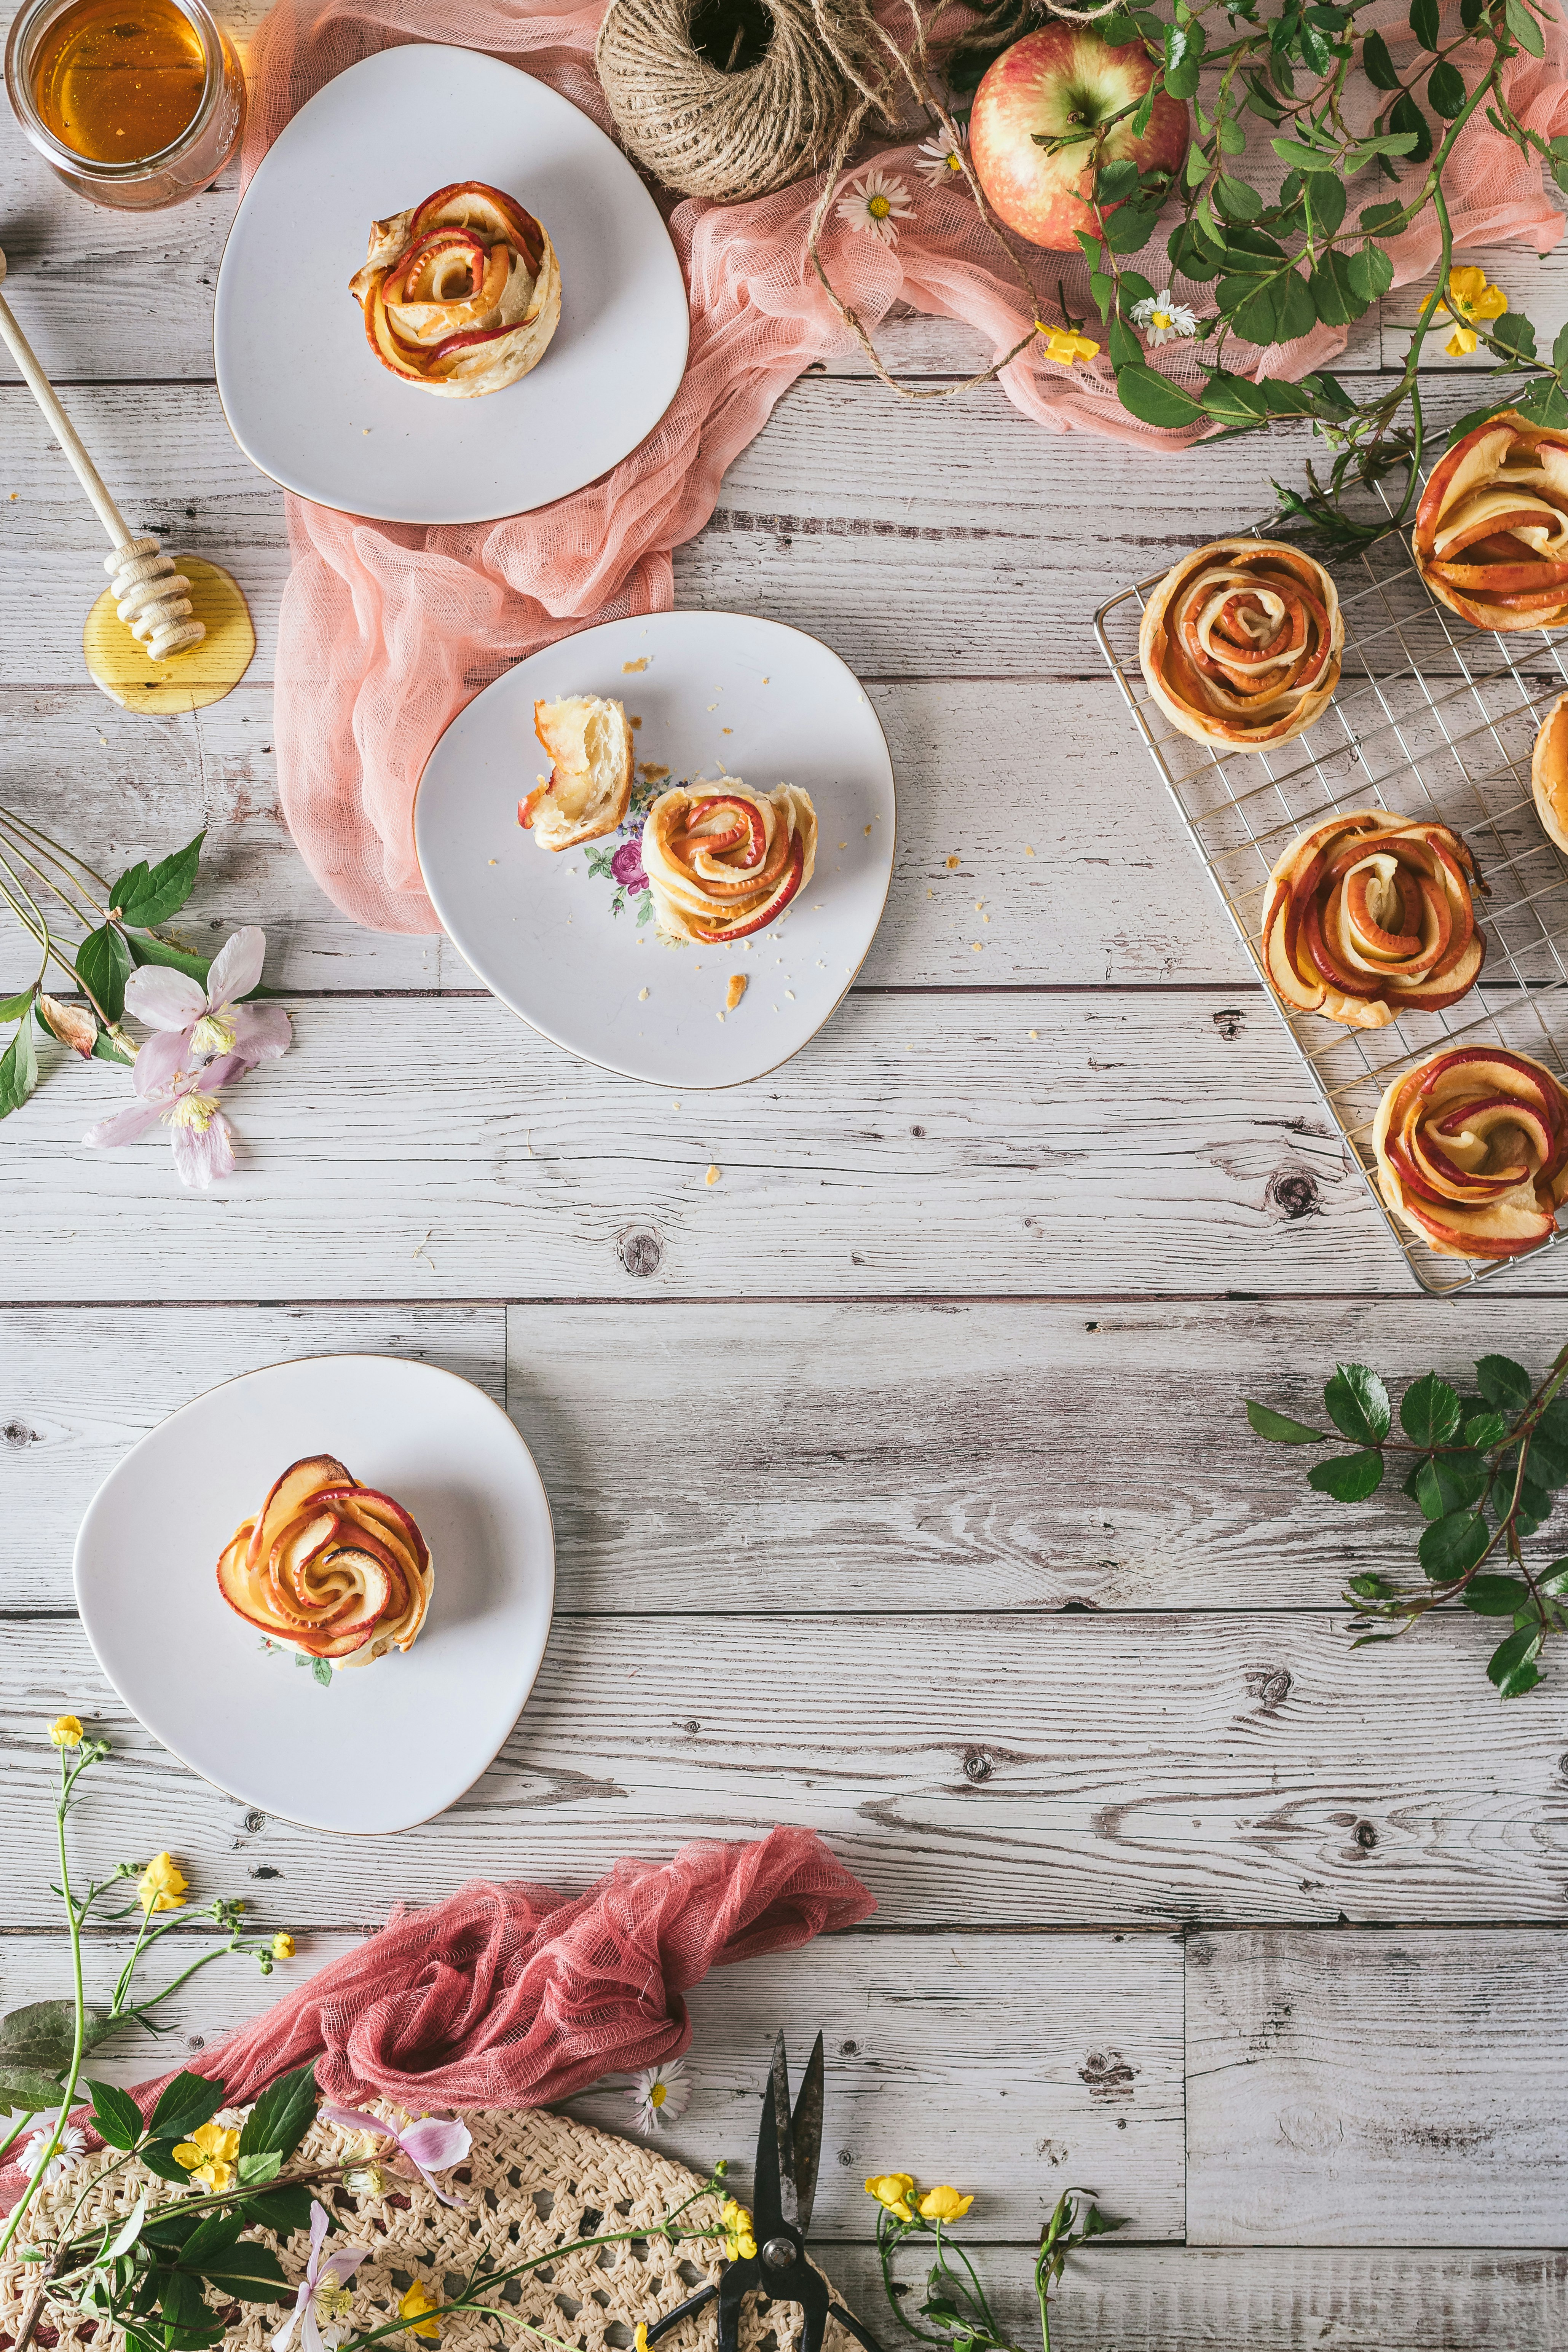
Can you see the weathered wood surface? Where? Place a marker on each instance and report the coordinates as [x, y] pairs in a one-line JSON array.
[[1065, 1769], [902, 1458], [1453, 2134]]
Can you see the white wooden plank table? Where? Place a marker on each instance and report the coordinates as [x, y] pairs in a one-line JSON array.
[[982, 1574]]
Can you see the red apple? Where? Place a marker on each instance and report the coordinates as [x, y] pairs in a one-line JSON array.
[[1061, 78]]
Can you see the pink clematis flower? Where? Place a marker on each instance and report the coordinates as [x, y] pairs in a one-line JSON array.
[[202, 1138], [193, 1024], [430, 2145], [323, 2288]]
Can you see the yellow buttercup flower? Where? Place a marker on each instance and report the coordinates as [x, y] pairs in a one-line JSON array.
[[739, 2244], [66, 1731], [944, 2205], [1065, 345], [162, 1885], [892, 2189], [208, 2155], [639, 2339], [1469, 297], [415, 2304], [282, 1944]]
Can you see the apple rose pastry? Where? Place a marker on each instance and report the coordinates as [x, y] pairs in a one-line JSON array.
[[1549, 771], [1241, 644], [1370, 914], [462, 294], [722, 860], [1491, 530], [1472, 1151], [329, 1566]]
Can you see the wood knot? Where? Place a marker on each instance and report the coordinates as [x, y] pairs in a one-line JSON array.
[[17, 1433], [1291, 1193], [1366, 1836], [848, 2048], [1271, 1688], [254, 1821], [1229, 1022], [1108, 2074], [640, 1251], [977, 1765]]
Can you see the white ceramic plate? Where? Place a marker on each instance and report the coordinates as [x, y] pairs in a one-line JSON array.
[[573, 950], [385, 1745], [307, 399]]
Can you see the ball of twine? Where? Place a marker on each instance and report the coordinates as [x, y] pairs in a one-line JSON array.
[[731, 136]]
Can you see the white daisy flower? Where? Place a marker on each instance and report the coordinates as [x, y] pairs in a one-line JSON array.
[[944, 156], [71, 2149], [875, 203], [660, 2094], [1164, 319]]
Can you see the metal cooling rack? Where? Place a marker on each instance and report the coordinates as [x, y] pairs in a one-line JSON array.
[[1431, 718]]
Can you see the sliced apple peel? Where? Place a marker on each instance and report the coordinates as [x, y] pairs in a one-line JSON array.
[[1490, 538], [329, 1566], [1241, 644]]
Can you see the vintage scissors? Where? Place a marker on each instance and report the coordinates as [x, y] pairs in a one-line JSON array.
[[788, 2147]]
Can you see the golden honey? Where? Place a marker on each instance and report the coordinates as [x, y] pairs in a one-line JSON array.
[[123, 666], [119, 80]]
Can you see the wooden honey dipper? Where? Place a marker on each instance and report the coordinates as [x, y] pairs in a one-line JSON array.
[[153, 599]]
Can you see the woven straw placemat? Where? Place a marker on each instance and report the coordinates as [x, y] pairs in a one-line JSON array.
[[534, 2180]]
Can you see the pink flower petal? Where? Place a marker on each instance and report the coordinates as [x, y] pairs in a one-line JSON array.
[[160, 1061], [237, 967], [124, 1126], [202, 1155], [356, 2119], [164, 999], [261, 1032], [434, 2146]]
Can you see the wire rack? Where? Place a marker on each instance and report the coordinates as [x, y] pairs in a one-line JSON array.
[[1431, 718]]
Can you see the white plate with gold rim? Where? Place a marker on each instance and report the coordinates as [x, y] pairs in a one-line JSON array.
[[306, 397], [385, 1745], [567, 939]]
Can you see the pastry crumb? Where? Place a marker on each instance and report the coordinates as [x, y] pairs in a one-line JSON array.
[[951, 863], [978, 904], [977, 945], [495, 861], [712, 1176], [868, 833], [652, 771], [737, 989], [790, 993], [726, 731], [634, 723], [1027, 851], [640, 663], [1035, 1033], [642, 996]]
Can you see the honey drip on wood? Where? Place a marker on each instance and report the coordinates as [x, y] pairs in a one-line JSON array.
[[123, 666], [119, 80]]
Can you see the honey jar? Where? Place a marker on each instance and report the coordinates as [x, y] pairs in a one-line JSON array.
[[136, 103]]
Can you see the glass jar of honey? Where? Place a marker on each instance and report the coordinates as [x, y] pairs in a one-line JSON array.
[[136, 103]]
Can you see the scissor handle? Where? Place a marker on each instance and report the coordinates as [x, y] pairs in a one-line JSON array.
[[687, 2310], [857, 2327]]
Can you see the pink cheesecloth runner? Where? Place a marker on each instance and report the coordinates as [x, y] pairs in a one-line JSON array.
[[515, 1996], [388, 629]]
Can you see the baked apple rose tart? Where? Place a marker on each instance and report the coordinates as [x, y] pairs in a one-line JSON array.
[[1369, 916], [1241, 644], [1491, 530], [1472, 1151], [462, 294], [329, 1566], [722, 860]]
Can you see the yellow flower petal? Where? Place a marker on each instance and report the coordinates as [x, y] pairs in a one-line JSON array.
[[1461, 344], [66, 1731], [162, 1885], [283, 1945], [892, 2189], [639, 2339], [1467, 285], [1491, 304], [944, 2205], [415, 2304]]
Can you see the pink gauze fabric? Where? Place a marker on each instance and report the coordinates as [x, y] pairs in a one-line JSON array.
[[387, 630], [515, 1996]]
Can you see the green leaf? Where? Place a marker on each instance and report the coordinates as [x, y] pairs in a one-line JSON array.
[[321, 1672], [1515, 333], [1534, 1509], [1325, 195], [1279, 1428], [1371, 272], [1237, 199], [255, 2171], [158, 2156], [1232, 397], [1358, 1404], [1305, 158], [1334, 290], [1495, 1596], [146, 898], [1485, 1430], [1377, 217], [1125, 348], [1522, 24], [1506, 1661], [27, 2086], [281, 2116], [1117, 180], [1376, 63], [1139, 126], [250, 2272], [14, 1007], [1230, 135], [19, 1069], [130, 2230], [1453, 1482], [1423, 23], [1135, 286], [1455, 1545], [1429, 1411], [1184, 50], [1331, 392], [103, 962], [1554, 1581], [1544, 403], [1348, 1477], [282, 2211], [189, 2101], [1279, 311], [44, 2034], [1548, 1459], [1155, 399], [1501, 1380], [116, 2118], [1407, 118], [146, 949], [214, 2233], [1129, 229], [1446, 91]]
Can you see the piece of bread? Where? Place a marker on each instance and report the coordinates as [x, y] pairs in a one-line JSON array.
[[586, 792], [1491, 530], [1549, 771], [1241, 644]]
